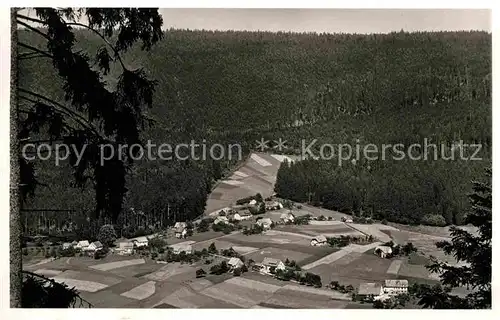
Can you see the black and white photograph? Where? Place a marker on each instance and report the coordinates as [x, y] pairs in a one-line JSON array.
[[249, 158]]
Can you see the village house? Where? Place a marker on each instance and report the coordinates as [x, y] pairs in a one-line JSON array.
[[382, 251], [253, 202], [140, 242], [370, 290], [287, 217], [221, 219], [395, 287], [318, 241], [273, 205], [235, 263], [270, 263], [181, 247], [125, 248], [242, 216], [265, 223], [180, 225], [94, 246], [180, 232], [82, 244]]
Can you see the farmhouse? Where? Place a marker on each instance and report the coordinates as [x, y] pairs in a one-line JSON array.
[[395, 287], [242, 216], [180, 232], [265, 223], [82, 244], [319, 240], [382, 251], [180, 225], [235, 263], [182, 247], [253, 202], [270, 263], [287, 217], [125, 247], [370, 290], [140, 242], [273, 205], [94, 246], [221, 219]]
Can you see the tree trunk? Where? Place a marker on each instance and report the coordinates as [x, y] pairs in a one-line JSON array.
[[15, 204]]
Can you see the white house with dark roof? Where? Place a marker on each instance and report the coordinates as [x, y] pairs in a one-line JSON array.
[[269, 263], [140, 242], [95, 246], [319, 240], [395, 287]]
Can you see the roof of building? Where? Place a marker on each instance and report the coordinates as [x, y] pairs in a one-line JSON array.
[[140, 239], [83, 243], [97, 243], [384, 249], [396, 283], [265, 221], [369, 289], [180, 224], [319, 238], [235, 261], [270, 262], [287, 215]]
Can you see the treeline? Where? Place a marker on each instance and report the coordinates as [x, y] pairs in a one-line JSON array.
[[234, 87]]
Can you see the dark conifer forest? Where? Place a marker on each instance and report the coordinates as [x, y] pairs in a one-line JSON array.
[[236, 87]]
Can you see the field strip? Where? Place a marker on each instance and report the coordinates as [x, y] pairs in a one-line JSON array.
[[220, 294], [141, 292], [394, 267], [328, 293], [44, 261], [261, 161], [232, 182], [341, 253], [117, 264], [370, 230], [325, 223], [286, 233], [241, 174], [326, 259], [361, 249], [48, 272], [253, 284], [81, 285], [181, 299]]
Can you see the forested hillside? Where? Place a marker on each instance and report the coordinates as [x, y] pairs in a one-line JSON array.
[[234, 87]]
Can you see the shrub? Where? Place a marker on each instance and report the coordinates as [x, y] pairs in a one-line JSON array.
[[200, 273], [107, 235], [157, 243], [154, 255], [25, 251], [433, 220], [237, 272], [299, 206], [244, 268], [212, 249], [384, 221]]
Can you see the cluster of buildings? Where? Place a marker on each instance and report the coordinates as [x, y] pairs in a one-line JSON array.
[[388, 289]]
